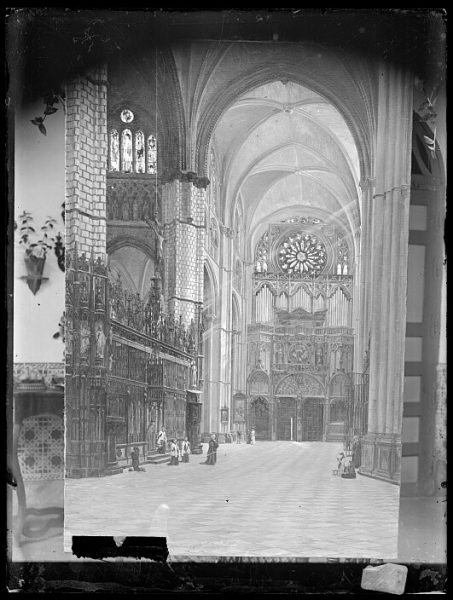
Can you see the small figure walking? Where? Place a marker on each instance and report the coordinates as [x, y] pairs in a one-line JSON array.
[[185, 450], [211, 457], [252, 436], [238, 437], [174, 453]]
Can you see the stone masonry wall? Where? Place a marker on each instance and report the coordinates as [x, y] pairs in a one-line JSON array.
[[86, 162], [183, 216]]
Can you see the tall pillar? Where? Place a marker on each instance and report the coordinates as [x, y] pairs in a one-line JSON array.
[[86, 163], [362, 305], [225, 339], [183, 204], [87, 321], [381, 447]]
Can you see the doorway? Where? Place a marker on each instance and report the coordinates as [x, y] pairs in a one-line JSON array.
[[259, 418], [286, 418], [312, 420]]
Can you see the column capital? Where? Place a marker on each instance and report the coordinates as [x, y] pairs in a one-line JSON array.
[[227, 231], [170, 175], [367, 183]]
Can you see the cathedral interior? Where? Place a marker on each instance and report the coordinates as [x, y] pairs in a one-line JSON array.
[[244, 227], [254, 213]]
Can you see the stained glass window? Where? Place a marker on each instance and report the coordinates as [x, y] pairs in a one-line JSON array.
[[139, 152], [152, 154], [127, 116], [114, 150], [302, 253], [126, 151], [342, 258]]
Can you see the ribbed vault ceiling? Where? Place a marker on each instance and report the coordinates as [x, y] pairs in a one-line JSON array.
[[283, 149]]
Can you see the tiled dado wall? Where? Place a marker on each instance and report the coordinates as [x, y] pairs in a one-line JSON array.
[[423, 389], [40, 444]]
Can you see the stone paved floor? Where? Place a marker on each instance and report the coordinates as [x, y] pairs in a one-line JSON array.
[[275, 499]]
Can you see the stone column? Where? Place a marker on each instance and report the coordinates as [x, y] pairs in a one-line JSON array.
[[86, 163], [325, 419], [87, 326], [225, 334], [183, 204], [381, 447], [362, 305]]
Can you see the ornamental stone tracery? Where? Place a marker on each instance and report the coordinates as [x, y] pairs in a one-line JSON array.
[[302, 253]]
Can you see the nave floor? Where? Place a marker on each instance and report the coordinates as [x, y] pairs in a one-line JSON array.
[[272, 499]]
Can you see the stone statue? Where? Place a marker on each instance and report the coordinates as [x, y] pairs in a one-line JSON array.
[[193, 374], [69, 337], [304, 354], [83, 291], [84, 338], [135, 210], [98, 294], [318, 357], [100, 340]]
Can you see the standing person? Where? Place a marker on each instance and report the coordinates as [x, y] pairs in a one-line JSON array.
[[185, 450], [162, 441], [341, 460], [252, 436], [211, 458], [356, 452], [238, 437], [135, 456], [174, 453]]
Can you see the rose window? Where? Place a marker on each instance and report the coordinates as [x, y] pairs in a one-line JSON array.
[[302, 253]]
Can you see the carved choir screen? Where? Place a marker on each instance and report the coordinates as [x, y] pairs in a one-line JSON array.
[[147, 317], [131, 149], [87, 333], [113, 398]]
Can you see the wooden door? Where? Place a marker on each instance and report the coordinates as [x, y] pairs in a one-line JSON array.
[[286, 418], [312, 413]]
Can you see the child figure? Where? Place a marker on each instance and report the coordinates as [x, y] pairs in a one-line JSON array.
[[185, 450]]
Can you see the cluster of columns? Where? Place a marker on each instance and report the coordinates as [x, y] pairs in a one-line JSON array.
[[383, 273]]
